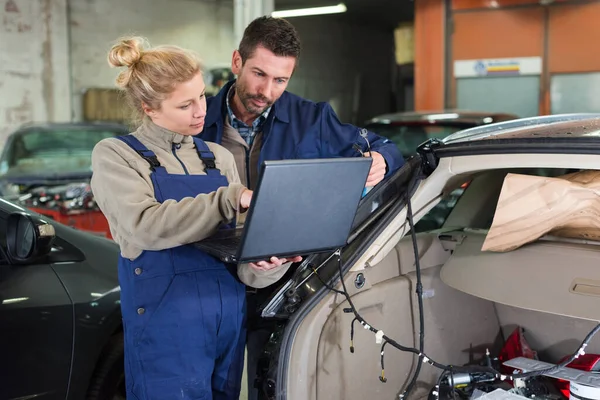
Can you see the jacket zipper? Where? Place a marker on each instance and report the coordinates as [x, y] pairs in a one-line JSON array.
[[175, 147]]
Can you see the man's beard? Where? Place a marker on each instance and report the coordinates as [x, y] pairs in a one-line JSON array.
[[247, 98]]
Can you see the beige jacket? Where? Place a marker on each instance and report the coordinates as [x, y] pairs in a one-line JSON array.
[[233, 142], [124, 192]]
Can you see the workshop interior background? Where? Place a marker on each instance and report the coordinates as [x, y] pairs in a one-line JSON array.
[[53, 54], [519, 58]]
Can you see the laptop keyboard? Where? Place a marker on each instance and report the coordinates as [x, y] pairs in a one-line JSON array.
[[226, 240]]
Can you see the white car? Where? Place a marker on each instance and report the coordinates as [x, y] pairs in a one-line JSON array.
[[471, 300]]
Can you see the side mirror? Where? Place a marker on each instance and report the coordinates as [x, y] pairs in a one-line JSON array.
[[27, 239]]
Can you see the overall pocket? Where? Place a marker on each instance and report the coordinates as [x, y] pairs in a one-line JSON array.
[[178, 338]]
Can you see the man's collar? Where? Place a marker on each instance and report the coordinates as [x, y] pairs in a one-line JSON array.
[[217, 109], [228, 95]]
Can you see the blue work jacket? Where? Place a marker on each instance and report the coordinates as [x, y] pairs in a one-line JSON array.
[[298, 128]]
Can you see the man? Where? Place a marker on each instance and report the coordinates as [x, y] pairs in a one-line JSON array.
[[256, 119]]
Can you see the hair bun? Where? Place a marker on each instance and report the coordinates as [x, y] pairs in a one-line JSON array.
[[126, 52]]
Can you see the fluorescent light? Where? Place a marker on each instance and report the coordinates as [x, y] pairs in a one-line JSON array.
[[302, 12], [15, 300], [442, 116]]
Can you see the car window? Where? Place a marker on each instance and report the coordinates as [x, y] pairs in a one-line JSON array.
[[480, 208], [437, 216], [51, 151], [409, 137]]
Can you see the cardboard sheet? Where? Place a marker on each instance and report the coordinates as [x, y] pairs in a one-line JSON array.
[[530, 207]]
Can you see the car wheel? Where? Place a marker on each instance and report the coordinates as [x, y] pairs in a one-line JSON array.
[[108, 382]]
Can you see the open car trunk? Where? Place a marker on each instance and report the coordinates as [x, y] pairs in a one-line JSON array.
[[472, 301], [469, 306]]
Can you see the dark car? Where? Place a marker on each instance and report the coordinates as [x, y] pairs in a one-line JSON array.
[[61, 335], [47, 168], [409, 129]]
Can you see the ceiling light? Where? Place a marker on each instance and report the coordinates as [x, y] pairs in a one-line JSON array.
[[302, 12], [432, 117]]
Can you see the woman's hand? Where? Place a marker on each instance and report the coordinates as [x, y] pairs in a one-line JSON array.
[[274, 262], [245, 199]]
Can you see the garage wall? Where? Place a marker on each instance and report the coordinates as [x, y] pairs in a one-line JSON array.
[[337, 56], [429, 54], [200, 25], [328, 70], [560, 33], [493, 34], [51, 51], [34, 67]]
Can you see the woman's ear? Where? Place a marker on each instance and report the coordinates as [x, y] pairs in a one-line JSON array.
[[147, 110]]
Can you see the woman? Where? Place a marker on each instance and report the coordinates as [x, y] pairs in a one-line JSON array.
[[161, 189]]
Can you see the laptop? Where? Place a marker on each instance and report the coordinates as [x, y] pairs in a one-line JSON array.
[[299, 207]]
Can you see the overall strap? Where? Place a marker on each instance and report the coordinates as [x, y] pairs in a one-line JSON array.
[[144, 152], [207, 157]]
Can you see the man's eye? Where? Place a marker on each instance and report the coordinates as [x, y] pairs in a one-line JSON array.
[[280, 80], [259, 74]]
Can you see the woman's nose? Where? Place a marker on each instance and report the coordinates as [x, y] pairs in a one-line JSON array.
[[199, 111]]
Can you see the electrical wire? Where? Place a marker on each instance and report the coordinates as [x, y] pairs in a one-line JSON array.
[[316, 273], [382, 377], [352, 336], [419, 291]]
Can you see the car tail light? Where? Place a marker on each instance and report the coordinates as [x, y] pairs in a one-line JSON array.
[[516, 346]]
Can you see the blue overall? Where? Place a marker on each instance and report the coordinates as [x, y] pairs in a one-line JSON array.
[[184, 312]]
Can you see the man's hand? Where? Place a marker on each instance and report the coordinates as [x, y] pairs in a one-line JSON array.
[[274, 262], [245, 199], [378, 168]]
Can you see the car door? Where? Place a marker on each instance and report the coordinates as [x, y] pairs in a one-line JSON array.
[[36, 329]]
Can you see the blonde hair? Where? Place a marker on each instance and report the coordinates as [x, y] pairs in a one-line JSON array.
[[152, 73]]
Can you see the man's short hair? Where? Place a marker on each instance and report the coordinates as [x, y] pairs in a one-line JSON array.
[[274, 34]]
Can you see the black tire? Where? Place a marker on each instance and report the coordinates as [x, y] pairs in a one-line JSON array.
[[108, 381]]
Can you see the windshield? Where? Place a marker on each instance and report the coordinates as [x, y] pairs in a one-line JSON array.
[[51, 152], [409, 136]]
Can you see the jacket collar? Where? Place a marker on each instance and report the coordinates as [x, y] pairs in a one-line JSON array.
[[218, 110], [161, 137]]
